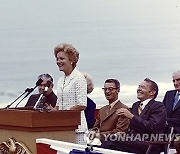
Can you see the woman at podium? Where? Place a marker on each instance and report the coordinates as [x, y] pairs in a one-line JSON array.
[[72, 86]]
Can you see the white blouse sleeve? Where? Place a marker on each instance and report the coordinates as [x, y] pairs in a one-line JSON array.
[[81, 91]]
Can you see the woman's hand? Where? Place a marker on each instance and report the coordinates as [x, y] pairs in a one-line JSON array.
[[78, 107]]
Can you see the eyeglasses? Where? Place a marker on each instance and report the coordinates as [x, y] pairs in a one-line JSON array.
[[109, 89]]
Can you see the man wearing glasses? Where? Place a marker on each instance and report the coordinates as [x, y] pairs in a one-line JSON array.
[[147, 119], [108, 122]]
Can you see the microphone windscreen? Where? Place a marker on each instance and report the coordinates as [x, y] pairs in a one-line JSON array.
[[39, 82], [45, 89]]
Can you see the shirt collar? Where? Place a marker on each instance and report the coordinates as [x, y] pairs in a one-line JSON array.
[[67, 79], [113, 103], [145, 102], [73, 73], [177, 95]]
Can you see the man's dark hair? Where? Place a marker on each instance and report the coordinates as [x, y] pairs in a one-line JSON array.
[[46, 76], [115, 81], [154, 86]]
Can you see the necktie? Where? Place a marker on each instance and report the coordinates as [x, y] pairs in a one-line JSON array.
[[140, 108], [176, 99], [108, 109]]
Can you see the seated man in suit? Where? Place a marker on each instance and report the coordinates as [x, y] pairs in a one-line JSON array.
[[45, 95], [147, 118], [108, 122], [172, 103]]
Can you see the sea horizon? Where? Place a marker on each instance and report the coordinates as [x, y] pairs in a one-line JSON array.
[[123, 39], [127, 95]]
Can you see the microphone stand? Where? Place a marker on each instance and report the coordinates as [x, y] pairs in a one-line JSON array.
[[27, 90], [30, 91], [39, 101]]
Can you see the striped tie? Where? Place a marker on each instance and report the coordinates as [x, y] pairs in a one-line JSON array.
[[140, 108]]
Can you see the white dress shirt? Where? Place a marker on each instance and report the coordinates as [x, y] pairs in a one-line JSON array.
[[145, 103]]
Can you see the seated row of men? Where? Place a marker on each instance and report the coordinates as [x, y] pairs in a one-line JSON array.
[[146, 118], [125, 130]]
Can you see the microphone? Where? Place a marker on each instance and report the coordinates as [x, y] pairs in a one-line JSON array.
[[48, 84], [30, 90], [42, 98], [40, 103], [38, 83]]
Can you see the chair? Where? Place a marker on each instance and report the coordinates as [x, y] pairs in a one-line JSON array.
[[165, 144], [177, 144]]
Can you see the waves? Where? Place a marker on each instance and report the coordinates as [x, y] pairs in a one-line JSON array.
[[7, 94], [6, 97], [127, 94]]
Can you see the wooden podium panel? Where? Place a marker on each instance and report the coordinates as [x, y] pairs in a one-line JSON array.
[[28, 125]]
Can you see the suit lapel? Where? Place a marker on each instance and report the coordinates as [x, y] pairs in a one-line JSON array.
[[146, 108], [134, 109], [170, 102], [35, 99], [177, 105], [104, 113], [69, 78], [116, 106], [172, 97]]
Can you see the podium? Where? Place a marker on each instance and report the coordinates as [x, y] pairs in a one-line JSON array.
[[28, 125]]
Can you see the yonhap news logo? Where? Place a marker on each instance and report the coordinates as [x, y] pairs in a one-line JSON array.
[[139, 137]]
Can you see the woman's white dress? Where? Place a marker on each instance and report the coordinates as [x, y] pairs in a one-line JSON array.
[[71, 91]]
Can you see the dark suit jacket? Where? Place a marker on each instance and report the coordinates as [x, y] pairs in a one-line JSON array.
[[50, 99], [111, 123], [90, 113], [152, 120], [173, 116]]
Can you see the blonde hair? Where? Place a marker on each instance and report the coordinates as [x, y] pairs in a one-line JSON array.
[[90, 85], [70, 51]]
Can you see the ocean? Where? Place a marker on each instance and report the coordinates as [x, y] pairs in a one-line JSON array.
[[124, 39]]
